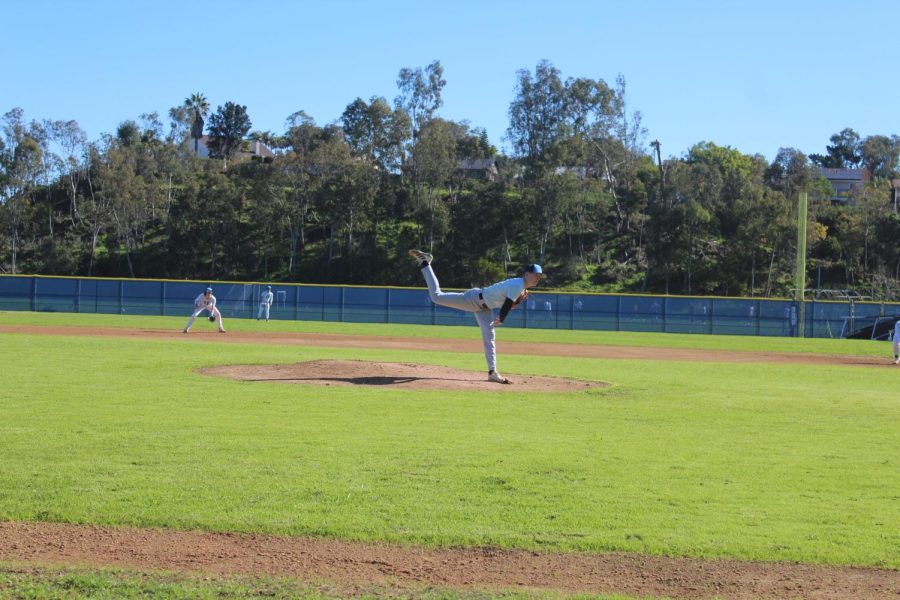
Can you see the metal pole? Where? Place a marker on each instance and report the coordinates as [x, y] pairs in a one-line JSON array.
[[800, 274]]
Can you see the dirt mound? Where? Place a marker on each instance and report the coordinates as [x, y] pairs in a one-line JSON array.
[[399, 375]]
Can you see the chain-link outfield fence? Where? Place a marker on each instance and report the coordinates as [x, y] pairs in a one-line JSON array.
[[543, 310]]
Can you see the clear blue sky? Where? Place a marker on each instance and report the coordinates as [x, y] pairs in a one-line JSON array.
[[753, 75]]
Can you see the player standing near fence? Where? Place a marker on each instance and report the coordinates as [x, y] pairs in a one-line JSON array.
[[504, 296], [206, 301], [265, 303], [897, 342]]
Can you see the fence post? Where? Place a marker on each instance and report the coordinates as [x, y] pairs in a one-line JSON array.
[[296, 303], [387, 305], [33, 294], [665, 312], [618, 310], [78, 296], [758, 317], [162, 299]]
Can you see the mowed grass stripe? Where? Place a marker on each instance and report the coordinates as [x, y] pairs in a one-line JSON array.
[[770, 462], [537, 336]]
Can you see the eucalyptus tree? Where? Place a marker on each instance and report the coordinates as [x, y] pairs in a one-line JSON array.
[[198, 105], [227, 128], [419, 98], [339, 197], [880, 155], [22, 166], [298, 168], [73, 142], [435, 156], [180, 121], [538, 118], [377, 132], [420, 94], [95, 214], [789, 173]]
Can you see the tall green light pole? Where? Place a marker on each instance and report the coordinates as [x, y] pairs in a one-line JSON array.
[[800, 265]]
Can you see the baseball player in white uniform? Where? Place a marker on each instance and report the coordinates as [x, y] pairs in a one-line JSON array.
[[265, 303], [504, 296], [897, 343], [206, 301]]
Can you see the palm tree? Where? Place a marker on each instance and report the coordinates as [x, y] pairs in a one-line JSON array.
[[198, 103]]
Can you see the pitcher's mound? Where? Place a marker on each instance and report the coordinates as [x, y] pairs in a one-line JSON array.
[[396, 375]]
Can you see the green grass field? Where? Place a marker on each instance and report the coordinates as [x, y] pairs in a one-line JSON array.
[[752, 461]]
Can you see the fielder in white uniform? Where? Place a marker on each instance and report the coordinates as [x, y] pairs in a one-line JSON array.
[[504, 296], [265, 303], [897, 343], [206, 301]]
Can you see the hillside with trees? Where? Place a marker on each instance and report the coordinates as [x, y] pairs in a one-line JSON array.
[[583, 191]]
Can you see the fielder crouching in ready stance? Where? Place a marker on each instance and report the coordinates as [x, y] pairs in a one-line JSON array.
[[504, 296], [206, 301]]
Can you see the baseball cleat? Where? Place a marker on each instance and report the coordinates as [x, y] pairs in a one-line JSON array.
[[185, 331], [497, 377], [897, 362], [424, 258]]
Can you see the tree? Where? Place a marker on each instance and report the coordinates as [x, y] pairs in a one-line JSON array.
[[22, 165], [538, 116], [376, 132], [843, 152], [789, 173], [73, 142], [227, 128], [420, 94], [879, 154], [434, 155], [198, 105]]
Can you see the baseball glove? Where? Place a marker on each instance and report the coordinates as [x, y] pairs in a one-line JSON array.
[[212, 318]]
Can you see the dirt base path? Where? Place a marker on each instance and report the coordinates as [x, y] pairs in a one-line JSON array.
[[455, 345], [359, 564]]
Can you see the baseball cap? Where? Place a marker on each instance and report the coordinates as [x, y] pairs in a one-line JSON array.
[[535, 268], [208, 289]]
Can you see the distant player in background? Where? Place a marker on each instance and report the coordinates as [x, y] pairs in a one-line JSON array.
[[504, 296], [897, 342], [265, 303], [206, 301]]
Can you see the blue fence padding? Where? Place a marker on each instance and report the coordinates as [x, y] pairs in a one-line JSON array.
[[542, 310]]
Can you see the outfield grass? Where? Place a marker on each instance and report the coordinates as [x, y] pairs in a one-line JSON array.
[[753, 461]]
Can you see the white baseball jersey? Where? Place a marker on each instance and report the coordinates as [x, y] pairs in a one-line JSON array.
[[267, 298], [495, 295], [204, 302]]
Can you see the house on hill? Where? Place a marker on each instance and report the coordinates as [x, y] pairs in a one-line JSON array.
[[250, 149], [846, 182], [484, 169]]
